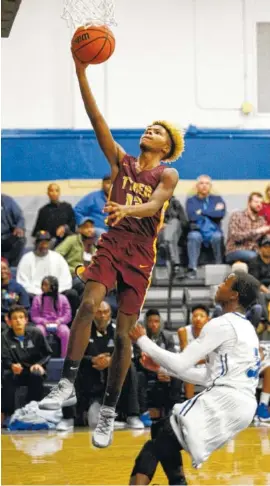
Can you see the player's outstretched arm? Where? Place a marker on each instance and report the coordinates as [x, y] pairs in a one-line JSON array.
[[112, 151], [211, 337]]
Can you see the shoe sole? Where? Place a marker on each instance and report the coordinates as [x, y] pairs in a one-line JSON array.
[[67, 403], [99, 446]]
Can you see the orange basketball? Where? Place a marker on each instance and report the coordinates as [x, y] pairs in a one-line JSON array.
[[93, 45]]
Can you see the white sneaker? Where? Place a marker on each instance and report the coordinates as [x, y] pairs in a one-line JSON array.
[[63, 395], [134, 423], [119, 425], [103, 434], [66, 425]]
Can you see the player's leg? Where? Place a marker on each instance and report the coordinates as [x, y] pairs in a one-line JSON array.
[[263, 410], [64, 394], [120, 364], [165, 448]]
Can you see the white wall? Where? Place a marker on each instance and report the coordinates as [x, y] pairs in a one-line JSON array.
[[192, 61]]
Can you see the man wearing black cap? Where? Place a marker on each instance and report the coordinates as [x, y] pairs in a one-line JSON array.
[[259, 266], [92, 205], [79, 248]]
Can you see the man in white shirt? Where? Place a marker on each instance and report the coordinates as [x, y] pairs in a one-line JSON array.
[[227, 405], [37, 264]]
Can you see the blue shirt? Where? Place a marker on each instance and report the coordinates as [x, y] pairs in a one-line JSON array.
[[207, 206], [11, 294], [92, 205]]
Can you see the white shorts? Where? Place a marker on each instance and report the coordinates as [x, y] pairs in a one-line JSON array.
[[207, 421]]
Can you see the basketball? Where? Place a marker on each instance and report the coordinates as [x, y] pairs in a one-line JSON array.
[[93, 45]]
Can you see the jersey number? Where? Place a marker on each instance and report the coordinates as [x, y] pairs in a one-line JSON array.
[[132, 200], [254, 372]]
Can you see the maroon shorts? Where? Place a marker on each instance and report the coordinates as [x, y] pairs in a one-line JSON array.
[[125, 259]]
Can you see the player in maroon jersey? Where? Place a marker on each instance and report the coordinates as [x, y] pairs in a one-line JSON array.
[[125, 254]]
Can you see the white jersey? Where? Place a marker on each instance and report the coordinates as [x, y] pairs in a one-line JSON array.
[[236, 362], [228, 404], [190, 335]]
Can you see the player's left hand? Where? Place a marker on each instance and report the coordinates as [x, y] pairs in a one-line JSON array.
[[116, 212], [149, 363], [136, 332]]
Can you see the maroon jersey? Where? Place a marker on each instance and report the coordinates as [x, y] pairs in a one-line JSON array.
[[132, 187]]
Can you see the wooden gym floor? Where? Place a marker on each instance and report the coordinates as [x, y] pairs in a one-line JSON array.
[[58, 458]]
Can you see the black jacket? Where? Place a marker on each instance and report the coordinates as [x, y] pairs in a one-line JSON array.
[[51, 216], [34, 349], [176, 210], [98, 344]]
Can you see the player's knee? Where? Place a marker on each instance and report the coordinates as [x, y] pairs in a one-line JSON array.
[[88, 306], [146, 462]]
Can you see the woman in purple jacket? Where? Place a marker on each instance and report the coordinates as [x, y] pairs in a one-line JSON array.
[[51, 312]]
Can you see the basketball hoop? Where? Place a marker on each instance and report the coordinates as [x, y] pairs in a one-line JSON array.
[[89, 12]]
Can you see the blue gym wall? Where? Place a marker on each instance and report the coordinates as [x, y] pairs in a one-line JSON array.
[[46, 155]]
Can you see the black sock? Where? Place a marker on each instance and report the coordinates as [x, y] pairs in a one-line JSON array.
[[111, 397], [70, 369]]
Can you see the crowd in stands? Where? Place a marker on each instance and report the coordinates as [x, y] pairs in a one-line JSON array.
[[40, 293]]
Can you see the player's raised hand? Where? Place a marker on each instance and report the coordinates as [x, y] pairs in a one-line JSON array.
[[116, 212], [136, 332], [148, 363], [80, 66]]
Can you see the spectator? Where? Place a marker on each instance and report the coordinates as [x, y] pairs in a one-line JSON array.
[[92, 376], [259, 266], [173, 232], [205, 212], [187, 334], [245, 229], [265, 211], [25, 353], [56, 217], [92, 205], [11, 291], [79, 249], [51, 312], [37, 264], [164, 391], [12, 230]]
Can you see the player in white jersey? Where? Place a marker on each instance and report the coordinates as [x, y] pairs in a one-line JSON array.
[[227, 405], [262, 414]]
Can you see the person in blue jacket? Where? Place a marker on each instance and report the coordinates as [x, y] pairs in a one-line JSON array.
[[12, 230], [11, 292], [92, 205], [205, 212]]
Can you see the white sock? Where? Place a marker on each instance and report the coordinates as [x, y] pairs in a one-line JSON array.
[[265, 398]]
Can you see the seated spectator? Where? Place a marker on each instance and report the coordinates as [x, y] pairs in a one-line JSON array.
[[187, 334], [37, 264], [12, 230], [25, 353], [164, 391], [205, 212], [51, 312], [265, 211], [262, 413], [173, 231], [78, 249], [92, 376], [11, 292], [259, 266], [245, 229], [56, 217], [92, 205]]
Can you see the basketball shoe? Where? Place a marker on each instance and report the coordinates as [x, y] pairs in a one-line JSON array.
[[103, 433], [262, 413], [62, 395]]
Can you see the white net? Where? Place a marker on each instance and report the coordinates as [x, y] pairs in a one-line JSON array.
[[89, 12]]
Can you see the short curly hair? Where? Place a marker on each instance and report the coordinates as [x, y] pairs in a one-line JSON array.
[[177, 140]]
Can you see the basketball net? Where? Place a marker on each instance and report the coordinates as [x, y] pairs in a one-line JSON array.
[[88, 12]]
